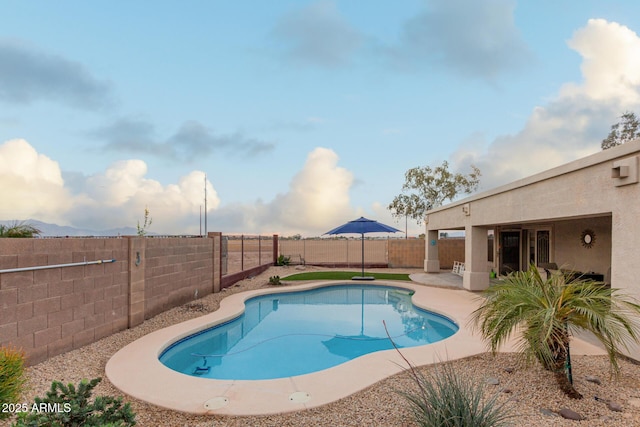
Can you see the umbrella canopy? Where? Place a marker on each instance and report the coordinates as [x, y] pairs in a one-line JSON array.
[[361, 226]]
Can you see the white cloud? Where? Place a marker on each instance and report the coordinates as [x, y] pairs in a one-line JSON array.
[[318, 195], [611, 62], [119, 196], [32, 184], [33, 187], [573, 124]]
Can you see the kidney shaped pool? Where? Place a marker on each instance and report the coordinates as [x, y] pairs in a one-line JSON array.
[[294, 333]]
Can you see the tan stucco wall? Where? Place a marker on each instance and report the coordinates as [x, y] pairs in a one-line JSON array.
[[571, 254]]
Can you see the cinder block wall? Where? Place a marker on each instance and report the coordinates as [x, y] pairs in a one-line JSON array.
[[450, 250], [410, 253], [177, 270], [406, 253], [51, 311], [48, 312]]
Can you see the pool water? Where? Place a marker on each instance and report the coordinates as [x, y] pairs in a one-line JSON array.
[[295, 333]]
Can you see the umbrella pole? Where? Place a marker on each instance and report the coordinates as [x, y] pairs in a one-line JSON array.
[[362, 254]]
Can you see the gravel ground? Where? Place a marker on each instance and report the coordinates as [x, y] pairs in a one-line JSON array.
[[527, 390]]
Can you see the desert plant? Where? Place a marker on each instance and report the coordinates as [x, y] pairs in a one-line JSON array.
[[11, 377], [68, 406], [548, 311], [283, 260], [445, 399], [142, 229], [18, 229], [275, 280]]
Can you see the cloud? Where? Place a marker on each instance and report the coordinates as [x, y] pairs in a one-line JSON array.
[[316, 201], [119, 196], [32, 184], [317, 35], [611, 63], [28, 75], [477, 39], [318, 195], [572, 124], [192, 140], [33, 187]]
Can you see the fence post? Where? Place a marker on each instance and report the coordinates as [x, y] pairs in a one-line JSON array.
[[216, 255], [275, 249], [347, 241], [137, 248]]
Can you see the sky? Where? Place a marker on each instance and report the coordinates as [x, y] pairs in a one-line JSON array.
[[301, 115]]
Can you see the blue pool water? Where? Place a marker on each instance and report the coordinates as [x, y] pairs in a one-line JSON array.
[[295, 333]]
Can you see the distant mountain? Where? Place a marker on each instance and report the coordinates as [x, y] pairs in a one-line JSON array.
[[54, 230]]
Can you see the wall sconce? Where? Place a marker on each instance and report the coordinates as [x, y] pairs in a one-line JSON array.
[[466, 209]]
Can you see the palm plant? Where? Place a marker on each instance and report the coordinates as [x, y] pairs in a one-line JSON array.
[[548, 311], [18, 229]]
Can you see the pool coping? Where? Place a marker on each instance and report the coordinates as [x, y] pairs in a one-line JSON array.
[[136, 370]]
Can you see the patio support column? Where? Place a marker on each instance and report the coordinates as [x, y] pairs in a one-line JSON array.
[[476, 272], [432, 260]]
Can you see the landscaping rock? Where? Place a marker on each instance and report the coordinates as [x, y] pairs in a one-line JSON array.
[[594, 380], [493, 381], [548, 412], [613, 406], [570, 415]]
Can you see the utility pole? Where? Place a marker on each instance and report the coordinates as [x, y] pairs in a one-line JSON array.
[[205, 204]]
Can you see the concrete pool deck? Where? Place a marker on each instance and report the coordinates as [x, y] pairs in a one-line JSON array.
[[136, 370]]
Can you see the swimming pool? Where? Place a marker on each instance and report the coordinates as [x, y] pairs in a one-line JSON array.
[[295, 333]]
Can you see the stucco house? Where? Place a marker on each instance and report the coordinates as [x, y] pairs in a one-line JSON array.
[[583, 215]]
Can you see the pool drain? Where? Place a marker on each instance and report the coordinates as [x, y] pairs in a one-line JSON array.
[[216, 403], [299, 397]]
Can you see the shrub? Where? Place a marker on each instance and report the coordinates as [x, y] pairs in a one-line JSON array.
[[444, 399], [283, 260], [18, 229], [11, 376], [546, 311], [275, 280], [67, 406]]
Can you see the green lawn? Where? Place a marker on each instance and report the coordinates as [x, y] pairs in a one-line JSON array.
[[344, 275]]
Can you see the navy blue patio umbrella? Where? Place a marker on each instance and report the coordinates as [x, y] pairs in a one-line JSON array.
[[361, 226]]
